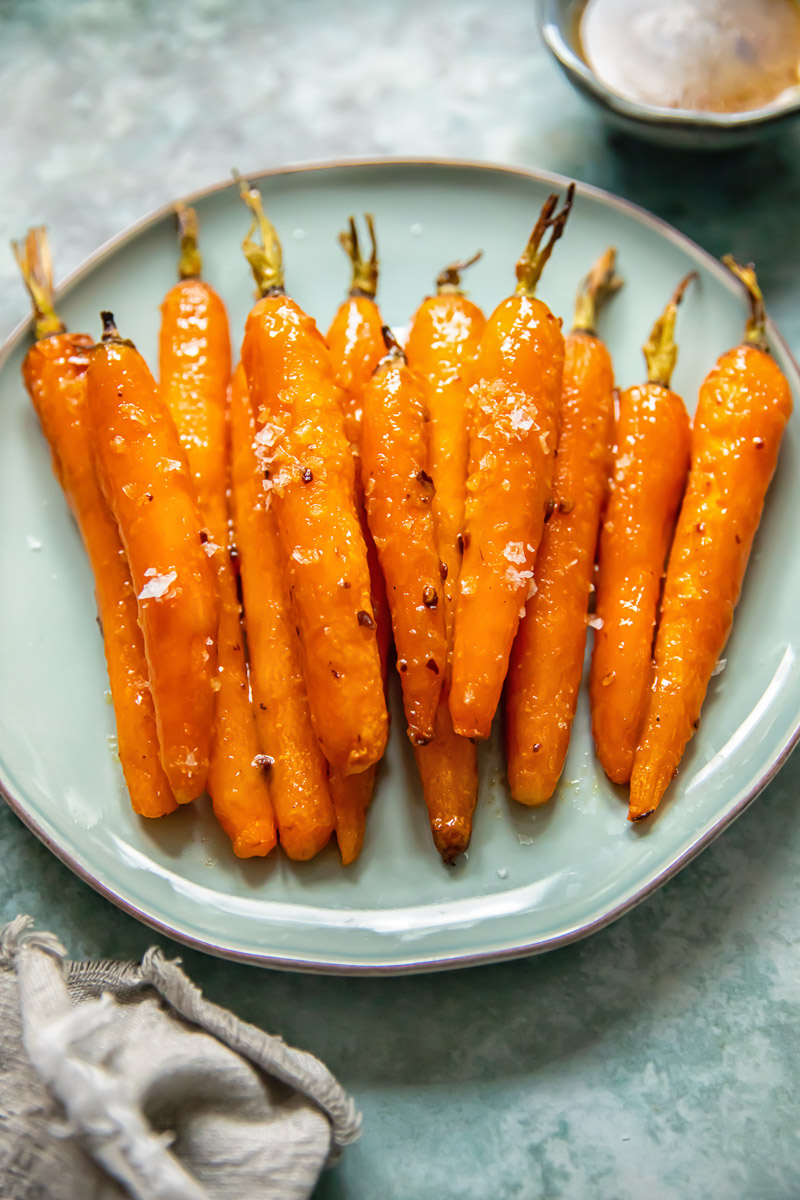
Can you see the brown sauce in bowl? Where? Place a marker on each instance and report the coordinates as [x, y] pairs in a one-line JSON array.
[[704, 55]]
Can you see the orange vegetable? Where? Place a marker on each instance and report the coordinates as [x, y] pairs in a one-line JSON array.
[[355, 341], [442, 344], [148, 488], [195, 369], [300, 428], [652, 459], [512, 449], [742, 411], [297, 769], [351, 796], [398, 492], [54, 372], [547, 659]]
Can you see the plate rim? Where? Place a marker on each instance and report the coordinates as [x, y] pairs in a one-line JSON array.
[[456, 960]]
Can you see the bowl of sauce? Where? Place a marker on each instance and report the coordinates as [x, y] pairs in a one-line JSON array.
[[692, 73]]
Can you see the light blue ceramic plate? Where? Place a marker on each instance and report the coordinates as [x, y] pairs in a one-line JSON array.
[[532, 879]]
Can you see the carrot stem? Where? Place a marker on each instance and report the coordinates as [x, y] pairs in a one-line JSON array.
[[533, 258], [755, 330], [36, 266], [448, 281], [600, 285], [660, 350], [266, 259], [190, 263], [364, 280]]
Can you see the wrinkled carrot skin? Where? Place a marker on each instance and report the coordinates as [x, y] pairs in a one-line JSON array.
[[442, 344], [146, 482], [54, 372], [512, 446], [398, 494], [742, 411], [547, 659], [300, 427], [651, 464], [298, 771], [356, 346], [195, 367]]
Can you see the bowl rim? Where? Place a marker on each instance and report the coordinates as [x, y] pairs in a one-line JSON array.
[[551, 28]]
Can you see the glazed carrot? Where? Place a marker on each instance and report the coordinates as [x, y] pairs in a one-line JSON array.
[[355, 342], [547, 658], [442, 344], [195, 368], [356, 345], [297, 769], [54, 372], [398, 492], [311, 477], [145, 479], [351, 796], [652, 459], [742, 411], [510, 481], [355, 339]]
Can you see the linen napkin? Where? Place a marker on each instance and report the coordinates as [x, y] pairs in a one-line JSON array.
[[119, 1079]]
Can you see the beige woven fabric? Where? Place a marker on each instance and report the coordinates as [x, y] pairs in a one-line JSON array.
[[119, 1079]]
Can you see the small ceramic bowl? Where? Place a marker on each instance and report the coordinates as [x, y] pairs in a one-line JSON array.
[[684, 128]]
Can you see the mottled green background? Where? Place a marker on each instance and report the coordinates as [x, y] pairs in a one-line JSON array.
[[660, 1058]]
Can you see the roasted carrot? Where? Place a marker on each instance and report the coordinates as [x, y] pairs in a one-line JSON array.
[[398, 492], [742, 411], [547, 658], [145, 478], [351, 796], [195, 369], [355, 339], [291, 754], [355, 342], [442, 343], [649, 475], [300, 427], [54, 372], [356, 345], [512, 448]]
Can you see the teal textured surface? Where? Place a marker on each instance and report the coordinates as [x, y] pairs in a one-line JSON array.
[[659, 1057]]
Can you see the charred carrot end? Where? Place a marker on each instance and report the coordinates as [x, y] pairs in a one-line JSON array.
[[265, 257], [364, 281], [36, 267], [535, 255], [449, 280], [351, 796]]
